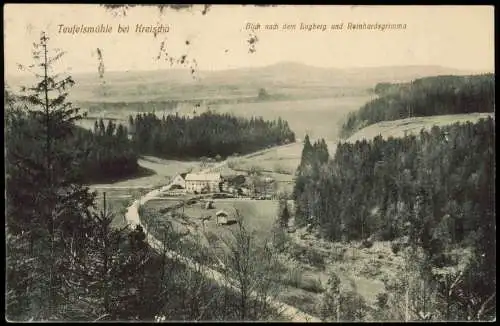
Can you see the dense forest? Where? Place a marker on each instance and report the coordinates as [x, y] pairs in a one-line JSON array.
[[425, 97], [111, 154], [436, 190], [106, 154], [208, 134]]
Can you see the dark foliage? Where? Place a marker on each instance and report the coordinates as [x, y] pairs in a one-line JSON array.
[[208, 134], [65, 261], [105, 154], [435, 189], [425, 97], [111, 154], [441, 181]]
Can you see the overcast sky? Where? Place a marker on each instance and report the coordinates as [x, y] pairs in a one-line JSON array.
[[453, 36]]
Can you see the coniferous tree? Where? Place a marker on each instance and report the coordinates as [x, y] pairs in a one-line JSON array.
[[433, 192], [54, 208], [205, 135], [284, 213]]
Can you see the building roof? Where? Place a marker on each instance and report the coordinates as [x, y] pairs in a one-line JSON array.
[[221, 212], [228, 212], [180, 176], [227, 171], [203, 177]]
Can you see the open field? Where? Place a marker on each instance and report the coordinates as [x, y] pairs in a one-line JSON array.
[[398, 128], [169, 168], [190, 91], [205, 235], [300, 285], [120, 194], [164, 170], [280, 160], [258, 216], [117, 201]]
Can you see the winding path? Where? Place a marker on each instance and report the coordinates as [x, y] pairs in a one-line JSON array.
[[133, 218]]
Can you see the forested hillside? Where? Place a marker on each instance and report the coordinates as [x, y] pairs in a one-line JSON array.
[[104, 155], [110, 153], [436, 190], [64, 261], [208, 134], [429, 96]]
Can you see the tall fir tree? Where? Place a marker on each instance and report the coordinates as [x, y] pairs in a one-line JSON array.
[[47, 205]]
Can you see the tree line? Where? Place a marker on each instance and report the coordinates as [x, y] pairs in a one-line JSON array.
[[105, 154], [208, 134], [436, 190], [425, 97], [111, 153], [142, 106]]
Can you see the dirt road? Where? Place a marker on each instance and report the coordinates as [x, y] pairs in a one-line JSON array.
[[133, 218]]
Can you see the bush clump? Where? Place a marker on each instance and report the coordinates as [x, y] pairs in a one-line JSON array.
[[308, 256], [396, 247], [367, 243]]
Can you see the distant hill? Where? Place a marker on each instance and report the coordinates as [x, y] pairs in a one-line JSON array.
[[281, 78], [288, 72]]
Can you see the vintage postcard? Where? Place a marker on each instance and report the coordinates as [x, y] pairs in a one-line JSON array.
[[249, 163]]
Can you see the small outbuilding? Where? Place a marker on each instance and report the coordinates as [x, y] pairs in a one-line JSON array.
[[223, 217]]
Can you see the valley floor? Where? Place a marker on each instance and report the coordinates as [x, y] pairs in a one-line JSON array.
[[307, 260]]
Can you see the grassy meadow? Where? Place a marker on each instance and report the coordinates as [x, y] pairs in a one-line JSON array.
[[413, 126], [306, 263]]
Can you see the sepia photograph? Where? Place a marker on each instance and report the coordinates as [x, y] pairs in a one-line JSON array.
[[266, 163]]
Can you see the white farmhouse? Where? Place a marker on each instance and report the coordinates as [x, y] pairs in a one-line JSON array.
[[203, 182]]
